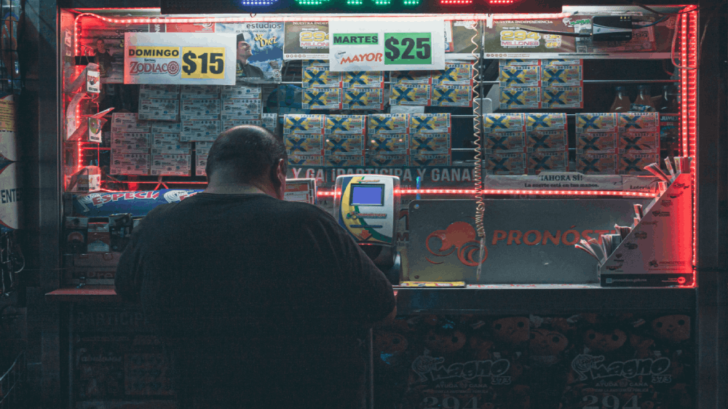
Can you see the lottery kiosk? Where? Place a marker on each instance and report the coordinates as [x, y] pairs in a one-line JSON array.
[[525, 172]]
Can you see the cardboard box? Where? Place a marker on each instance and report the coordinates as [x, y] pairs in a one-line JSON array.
[[638, 122]]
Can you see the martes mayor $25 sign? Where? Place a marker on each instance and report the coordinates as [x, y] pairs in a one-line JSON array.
[[173, 58], [369, 45]]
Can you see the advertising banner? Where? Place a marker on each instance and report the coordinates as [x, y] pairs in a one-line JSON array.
[[259, 49], [169, 58], [367, 45], [627, 360], [522, 236], [513, 39], [306, 41]]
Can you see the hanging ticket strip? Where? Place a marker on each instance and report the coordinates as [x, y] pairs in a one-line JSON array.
[[175, 124]]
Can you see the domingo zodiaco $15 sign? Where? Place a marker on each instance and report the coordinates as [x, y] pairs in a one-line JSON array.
[[369, 45], [172, 58]]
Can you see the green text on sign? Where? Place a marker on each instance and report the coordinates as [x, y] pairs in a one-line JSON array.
[[407, 48], [356, 39]]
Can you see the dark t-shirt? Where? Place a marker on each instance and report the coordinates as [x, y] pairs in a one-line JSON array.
[[261, 302]]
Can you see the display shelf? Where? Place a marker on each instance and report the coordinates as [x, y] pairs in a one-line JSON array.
[[544, 298], [96, 293], [489, 299]]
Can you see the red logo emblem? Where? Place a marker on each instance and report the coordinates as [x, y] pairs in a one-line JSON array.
[[460, 237]]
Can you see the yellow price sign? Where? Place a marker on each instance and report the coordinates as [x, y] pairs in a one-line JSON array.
[[203, 62]]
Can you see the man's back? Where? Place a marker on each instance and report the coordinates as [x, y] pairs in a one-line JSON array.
[[259, 300]]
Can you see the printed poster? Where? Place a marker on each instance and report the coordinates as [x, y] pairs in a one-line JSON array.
[[259, 50], [306, 41]]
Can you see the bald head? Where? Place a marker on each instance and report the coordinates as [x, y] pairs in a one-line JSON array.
[[245, 155]]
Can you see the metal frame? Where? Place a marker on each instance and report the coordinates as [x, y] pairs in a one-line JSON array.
[[709, 301]]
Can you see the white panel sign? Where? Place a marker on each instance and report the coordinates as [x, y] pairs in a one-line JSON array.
[[368, 45], [176, 58]]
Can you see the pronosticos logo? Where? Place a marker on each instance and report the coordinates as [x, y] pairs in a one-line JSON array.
[[460, 237]]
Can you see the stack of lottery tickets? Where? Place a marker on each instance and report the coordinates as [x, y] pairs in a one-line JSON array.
[[170, 156], [388, 140], [541, 84], [324, 89], [617, 143], [596, 143], [451, 87], [639, 141], [303, 136], [131, 144], [201, 108], [344, 138], [517, 144], [159, 103], [430, 139]]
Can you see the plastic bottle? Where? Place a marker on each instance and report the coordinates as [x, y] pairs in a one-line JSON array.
[[621, 101], [644, 99], [668, 102]]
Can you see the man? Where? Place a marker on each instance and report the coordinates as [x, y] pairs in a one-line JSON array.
[[103, 58], [245, 51], [261, 302]]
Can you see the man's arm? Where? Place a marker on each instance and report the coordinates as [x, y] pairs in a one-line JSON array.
[[365, 289], [129, 272]]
